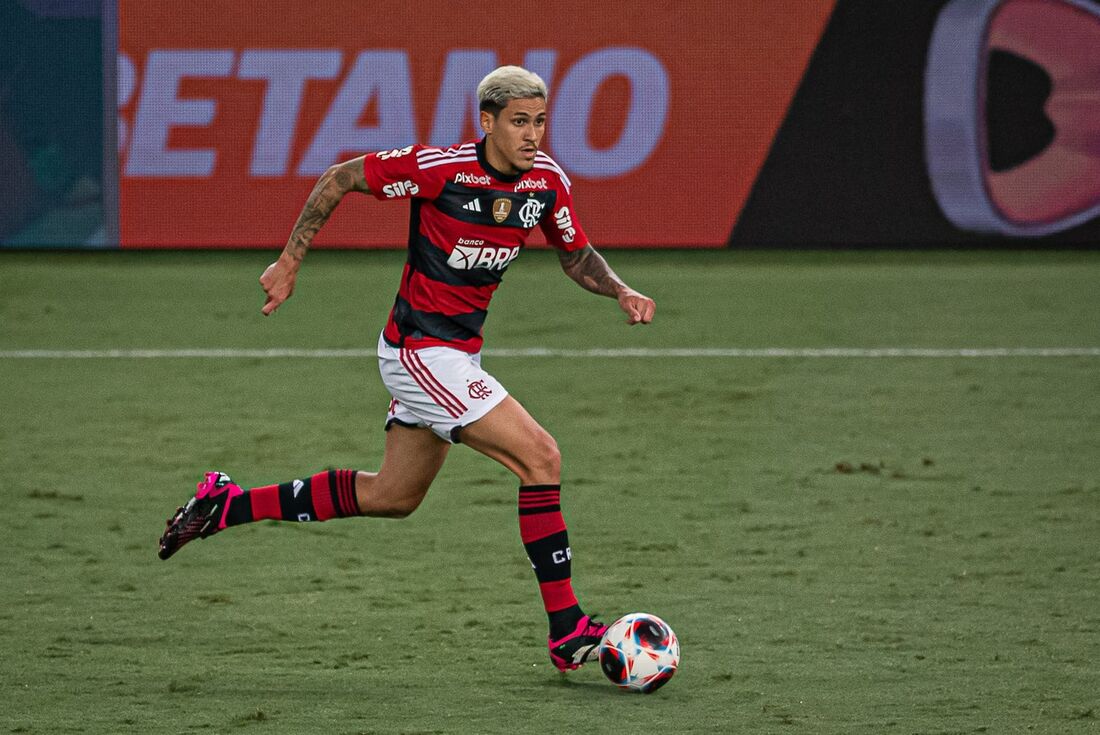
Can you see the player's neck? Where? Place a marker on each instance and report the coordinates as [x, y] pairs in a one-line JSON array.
[[495, 162]]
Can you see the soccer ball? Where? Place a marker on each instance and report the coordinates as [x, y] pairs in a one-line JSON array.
[[639, 652]]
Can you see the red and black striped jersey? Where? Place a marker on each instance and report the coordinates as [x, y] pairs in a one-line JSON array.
[[468, 222]]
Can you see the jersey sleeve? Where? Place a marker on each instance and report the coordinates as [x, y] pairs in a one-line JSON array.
[[396, 174], [562, 228]]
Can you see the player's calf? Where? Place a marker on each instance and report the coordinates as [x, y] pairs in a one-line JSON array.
[[219, 503]]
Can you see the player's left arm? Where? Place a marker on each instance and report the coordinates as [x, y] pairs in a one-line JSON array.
[[588, 268]]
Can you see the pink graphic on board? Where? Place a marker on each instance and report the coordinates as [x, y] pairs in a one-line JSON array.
[[1057, 185]]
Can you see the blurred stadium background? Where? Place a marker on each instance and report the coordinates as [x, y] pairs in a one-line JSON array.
[[854, 462], [792, 123]]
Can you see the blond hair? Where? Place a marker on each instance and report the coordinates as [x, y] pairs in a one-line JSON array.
[[507, 83]]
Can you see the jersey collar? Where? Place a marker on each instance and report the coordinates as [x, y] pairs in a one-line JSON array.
[[499, 175]]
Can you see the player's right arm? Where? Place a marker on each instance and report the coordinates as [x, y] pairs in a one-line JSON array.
[[279, 277]]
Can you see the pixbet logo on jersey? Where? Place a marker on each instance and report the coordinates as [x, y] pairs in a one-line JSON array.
[[465, 178], [469, 256], [532, 185]]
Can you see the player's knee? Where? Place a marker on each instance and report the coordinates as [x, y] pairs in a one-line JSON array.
[[544, 460]]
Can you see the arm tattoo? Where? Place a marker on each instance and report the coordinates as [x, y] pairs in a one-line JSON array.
[[588, 268], [326, 194]]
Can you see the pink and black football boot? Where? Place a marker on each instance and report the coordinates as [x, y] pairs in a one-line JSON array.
[[204, 514], [571, 651]]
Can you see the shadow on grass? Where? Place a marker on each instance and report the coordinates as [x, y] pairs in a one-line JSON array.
[[595, 687]]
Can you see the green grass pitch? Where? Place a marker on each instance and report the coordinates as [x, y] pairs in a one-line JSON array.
[[842, 544]]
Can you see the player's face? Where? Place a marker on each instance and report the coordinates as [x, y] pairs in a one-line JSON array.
[[512, 138]]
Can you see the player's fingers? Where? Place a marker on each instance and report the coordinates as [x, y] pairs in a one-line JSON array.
[[267, 278], [640, 310], [270, 305]]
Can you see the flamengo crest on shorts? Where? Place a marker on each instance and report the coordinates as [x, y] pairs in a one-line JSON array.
[[468, 222], [437, 387]]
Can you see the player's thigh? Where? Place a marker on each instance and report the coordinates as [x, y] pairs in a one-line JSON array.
[[410, 462], [511, 436], [438, 387]]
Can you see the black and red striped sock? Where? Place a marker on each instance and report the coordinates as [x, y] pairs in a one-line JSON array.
[[326, 495], [542, 529]]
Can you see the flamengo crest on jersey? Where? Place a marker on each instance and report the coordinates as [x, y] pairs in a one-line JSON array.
[[468, 222], [531, 212]]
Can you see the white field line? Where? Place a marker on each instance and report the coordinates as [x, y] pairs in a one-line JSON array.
[[676, 352]]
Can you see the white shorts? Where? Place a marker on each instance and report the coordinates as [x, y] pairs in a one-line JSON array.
[[438, 387]]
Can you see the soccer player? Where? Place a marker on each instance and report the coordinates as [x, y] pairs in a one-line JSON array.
[[472, 208]]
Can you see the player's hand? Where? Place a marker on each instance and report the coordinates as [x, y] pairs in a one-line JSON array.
[[278, 283], [639, 309]]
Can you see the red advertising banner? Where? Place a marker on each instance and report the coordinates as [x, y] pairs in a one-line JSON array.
[[661, 113]]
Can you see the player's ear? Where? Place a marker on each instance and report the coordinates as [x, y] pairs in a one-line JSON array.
[[487, 121]]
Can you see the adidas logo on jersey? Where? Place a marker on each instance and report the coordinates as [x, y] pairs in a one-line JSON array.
[[474, 205]]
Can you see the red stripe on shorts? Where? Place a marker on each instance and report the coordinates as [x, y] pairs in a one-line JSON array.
[[439, 399], [437, 383], [428, 383]]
